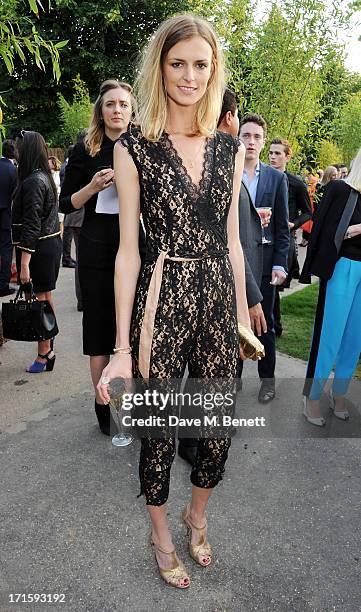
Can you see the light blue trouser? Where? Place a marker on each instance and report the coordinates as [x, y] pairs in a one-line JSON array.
[[340, 341]]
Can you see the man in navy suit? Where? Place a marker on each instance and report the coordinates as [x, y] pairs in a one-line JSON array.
[[7, 186], [267, 187]]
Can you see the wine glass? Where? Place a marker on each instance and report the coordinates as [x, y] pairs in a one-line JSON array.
[[264, 213], [117, 391]]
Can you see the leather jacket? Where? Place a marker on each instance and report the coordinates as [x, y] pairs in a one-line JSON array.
[[35, 212]]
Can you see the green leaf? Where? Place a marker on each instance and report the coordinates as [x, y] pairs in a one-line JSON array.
[[61, 44], [34, 6], [29, 45], [18, 49], [7, 60]]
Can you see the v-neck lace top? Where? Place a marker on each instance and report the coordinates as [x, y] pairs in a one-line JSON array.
[[180, 217]]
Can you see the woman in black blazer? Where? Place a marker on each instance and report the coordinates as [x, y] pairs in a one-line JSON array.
[[89, 172], [334, 254]]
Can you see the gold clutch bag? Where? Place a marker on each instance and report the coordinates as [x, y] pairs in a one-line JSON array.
[[249, 343]]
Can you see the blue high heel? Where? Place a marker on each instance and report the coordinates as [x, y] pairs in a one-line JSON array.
[[37, 367]]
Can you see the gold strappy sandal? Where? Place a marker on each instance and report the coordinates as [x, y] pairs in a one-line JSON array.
[[201, 550], [175, 575]]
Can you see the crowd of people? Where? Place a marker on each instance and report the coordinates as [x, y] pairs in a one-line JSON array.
[[206, 240]]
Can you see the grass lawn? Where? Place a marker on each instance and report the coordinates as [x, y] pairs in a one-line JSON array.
[[298, 312]]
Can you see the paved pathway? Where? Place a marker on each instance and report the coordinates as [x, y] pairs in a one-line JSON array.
[[285, 524]]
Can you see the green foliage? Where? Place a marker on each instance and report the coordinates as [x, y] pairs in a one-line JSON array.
[[298, 315], [74, 116], [328, 154], [287, 66], [104, 40], [348, 128], [19, 36]]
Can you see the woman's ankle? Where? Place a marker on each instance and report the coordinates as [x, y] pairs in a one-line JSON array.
[[197, 517], [314, 409], [162, 539]]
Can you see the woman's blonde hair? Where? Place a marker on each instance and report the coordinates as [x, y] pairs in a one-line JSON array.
[[354, 177], [95, 133], [56, 162], [151, 92], [327, 175]]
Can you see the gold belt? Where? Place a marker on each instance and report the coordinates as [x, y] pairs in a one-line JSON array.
[[151, 304]]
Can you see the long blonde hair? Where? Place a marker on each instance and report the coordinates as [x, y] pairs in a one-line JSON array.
[[327, 175], [354, 177], [95, 133], [151, 93]]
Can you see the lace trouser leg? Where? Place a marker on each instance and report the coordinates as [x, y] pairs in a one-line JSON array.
[[156, 458]]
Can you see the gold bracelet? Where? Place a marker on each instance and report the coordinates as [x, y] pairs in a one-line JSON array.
[[123, 350]]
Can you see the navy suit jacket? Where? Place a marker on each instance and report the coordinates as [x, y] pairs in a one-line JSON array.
[[7, 182], [272, 191], [250, 234]]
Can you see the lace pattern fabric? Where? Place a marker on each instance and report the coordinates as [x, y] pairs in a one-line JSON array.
[[196, 322]]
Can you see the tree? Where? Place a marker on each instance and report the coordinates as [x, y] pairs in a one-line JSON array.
[[288, 67], [74, 116], [19, 36], [281, 68], [328, 154], [348, 128], [103, 42]]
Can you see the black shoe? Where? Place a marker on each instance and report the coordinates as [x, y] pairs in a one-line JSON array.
[[5, 292], [79, 307], [105, 419], [278, 331], [188, 453], [267, 392], [69, 264]]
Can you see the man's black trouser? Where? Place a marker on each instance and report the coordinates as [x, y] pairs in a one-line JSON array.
[[6, 247]]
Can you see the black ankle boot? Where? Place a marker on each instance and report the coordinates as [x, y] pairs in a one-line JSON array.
[[104, 417]]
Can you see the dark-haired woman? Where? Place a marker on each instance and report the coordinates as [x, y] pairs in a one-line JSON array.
[[88, 172], [36, 231]]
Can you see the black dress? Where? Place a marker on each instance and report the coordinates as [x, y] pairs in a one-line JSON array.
[[98, 245]]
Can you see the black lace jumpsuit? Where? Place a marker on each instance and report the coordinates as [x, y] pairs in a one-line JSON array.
[[195, 321]]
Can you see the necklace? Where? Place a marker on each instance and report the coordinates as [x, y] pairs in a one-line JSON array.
[[191, 161]]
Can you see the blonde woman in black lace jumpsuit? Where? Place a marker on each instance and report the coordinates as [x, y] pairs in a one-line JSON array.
[[184, 178]]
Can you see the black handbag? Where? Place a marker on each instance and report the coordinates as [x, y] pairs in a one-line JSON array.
[[29, 319]]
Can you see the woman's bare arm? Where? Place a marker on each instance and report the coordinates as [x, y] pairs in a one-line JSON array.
[[100, 181], [127, 263], [234, 244]]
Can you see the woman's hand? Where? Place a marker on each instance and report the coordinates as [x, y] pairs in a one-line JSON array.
[[24, 274], [242, 356], [102, 180], [120, 366], [353, 230]]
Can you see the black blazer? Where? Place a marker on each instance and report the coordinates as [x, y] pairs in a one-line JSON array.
[[35, 212], [272, 190], [322, 252], [250, 233], [7, 182], [299, 204]]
